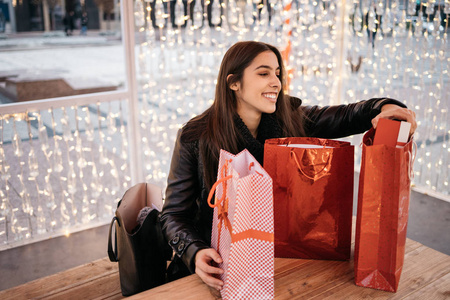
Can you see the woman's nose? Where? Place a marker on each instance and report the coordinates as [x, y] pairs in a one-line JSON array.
[[275, 82]]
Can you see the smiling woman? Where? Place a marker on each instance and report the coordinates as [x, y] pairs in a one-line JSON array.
[[250, 106]]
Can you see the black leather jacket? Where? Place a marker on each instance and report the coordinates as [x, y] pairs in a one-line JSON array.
[[186, 217]]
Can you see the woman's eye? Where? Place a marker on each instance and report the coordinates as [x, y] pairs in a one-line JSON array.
[[263, 74]]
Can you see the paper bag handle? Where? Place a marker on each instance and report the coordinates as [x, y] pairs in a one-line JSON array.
[[222, 210], [411, 158], [319, 174], [213, 189]]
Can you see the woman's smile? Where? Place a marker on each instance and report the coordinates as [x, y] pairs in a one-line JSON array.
[[271, 96]]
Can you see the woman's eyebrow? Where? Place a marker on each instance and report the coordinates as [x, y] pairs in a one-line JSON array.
[[266, 67]]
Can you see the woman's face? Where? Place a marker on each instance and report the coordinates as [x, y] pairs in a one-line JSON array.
[[258, 90]]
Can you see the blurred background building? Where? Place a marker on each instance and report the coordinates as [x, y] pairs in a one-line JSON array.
[[48, 15]]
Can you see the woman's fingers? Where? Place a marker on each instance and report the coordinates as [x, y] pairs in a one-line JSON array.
[[212, 253], [204, 258], [392, 111], [211, 269], [205, 270], [209, 280]]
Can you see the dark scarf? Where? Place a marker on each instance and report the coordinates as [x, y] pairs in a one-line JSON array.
[[268, 128]]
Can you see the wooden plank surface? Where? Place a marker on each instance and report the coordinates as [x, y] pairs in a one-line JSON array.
[[316, 275], [425, 271], [100, 272], [426, 275], [190, 287], [437, 290], [422, 266], [107, 284]]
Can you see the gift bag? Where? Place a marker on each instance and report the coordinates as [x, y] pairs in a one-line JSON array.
[[313, 196], [139, 245], [382, 217], [242, 231]]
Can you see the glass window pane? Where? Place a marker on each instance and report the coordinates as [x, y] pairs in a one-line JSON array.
[[57, 48]]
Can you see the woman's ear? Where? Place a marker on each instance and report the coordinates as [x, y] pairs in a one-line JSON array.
[[234, 86]]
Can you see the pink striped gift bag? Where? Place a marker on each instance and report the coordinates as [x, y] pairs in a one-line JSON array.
[[242, 231]]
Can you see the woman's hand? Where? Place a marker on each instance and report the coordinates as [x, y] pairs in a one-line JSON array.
[[392, 111], [205, 270]]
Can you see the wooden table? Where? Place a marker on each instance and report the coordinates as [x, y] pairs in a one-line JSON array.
[[426, 275]]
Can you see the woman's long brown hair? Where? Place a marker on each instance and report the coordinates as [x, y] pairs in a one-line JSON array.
[[215, 128]]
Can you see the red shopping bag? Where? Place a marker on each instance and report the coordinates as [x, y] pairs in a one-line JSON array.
[[382, 217], [242, 231], [313, 196]]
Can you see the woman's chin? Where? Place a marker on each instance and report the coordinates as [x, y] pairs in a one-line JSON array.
[[271, 109]]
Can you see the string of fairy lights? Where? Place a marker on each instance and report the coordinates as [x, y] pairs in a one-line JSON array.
[[409, 61], [72, 166], [68, 171]]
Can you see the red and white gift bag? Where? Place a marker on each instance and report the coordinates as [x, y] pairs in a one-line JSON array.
[[242, 231]]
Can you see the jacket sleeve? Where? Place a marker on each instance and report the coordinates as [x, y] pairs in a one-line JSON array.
[[343, 120], [180, 206]]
